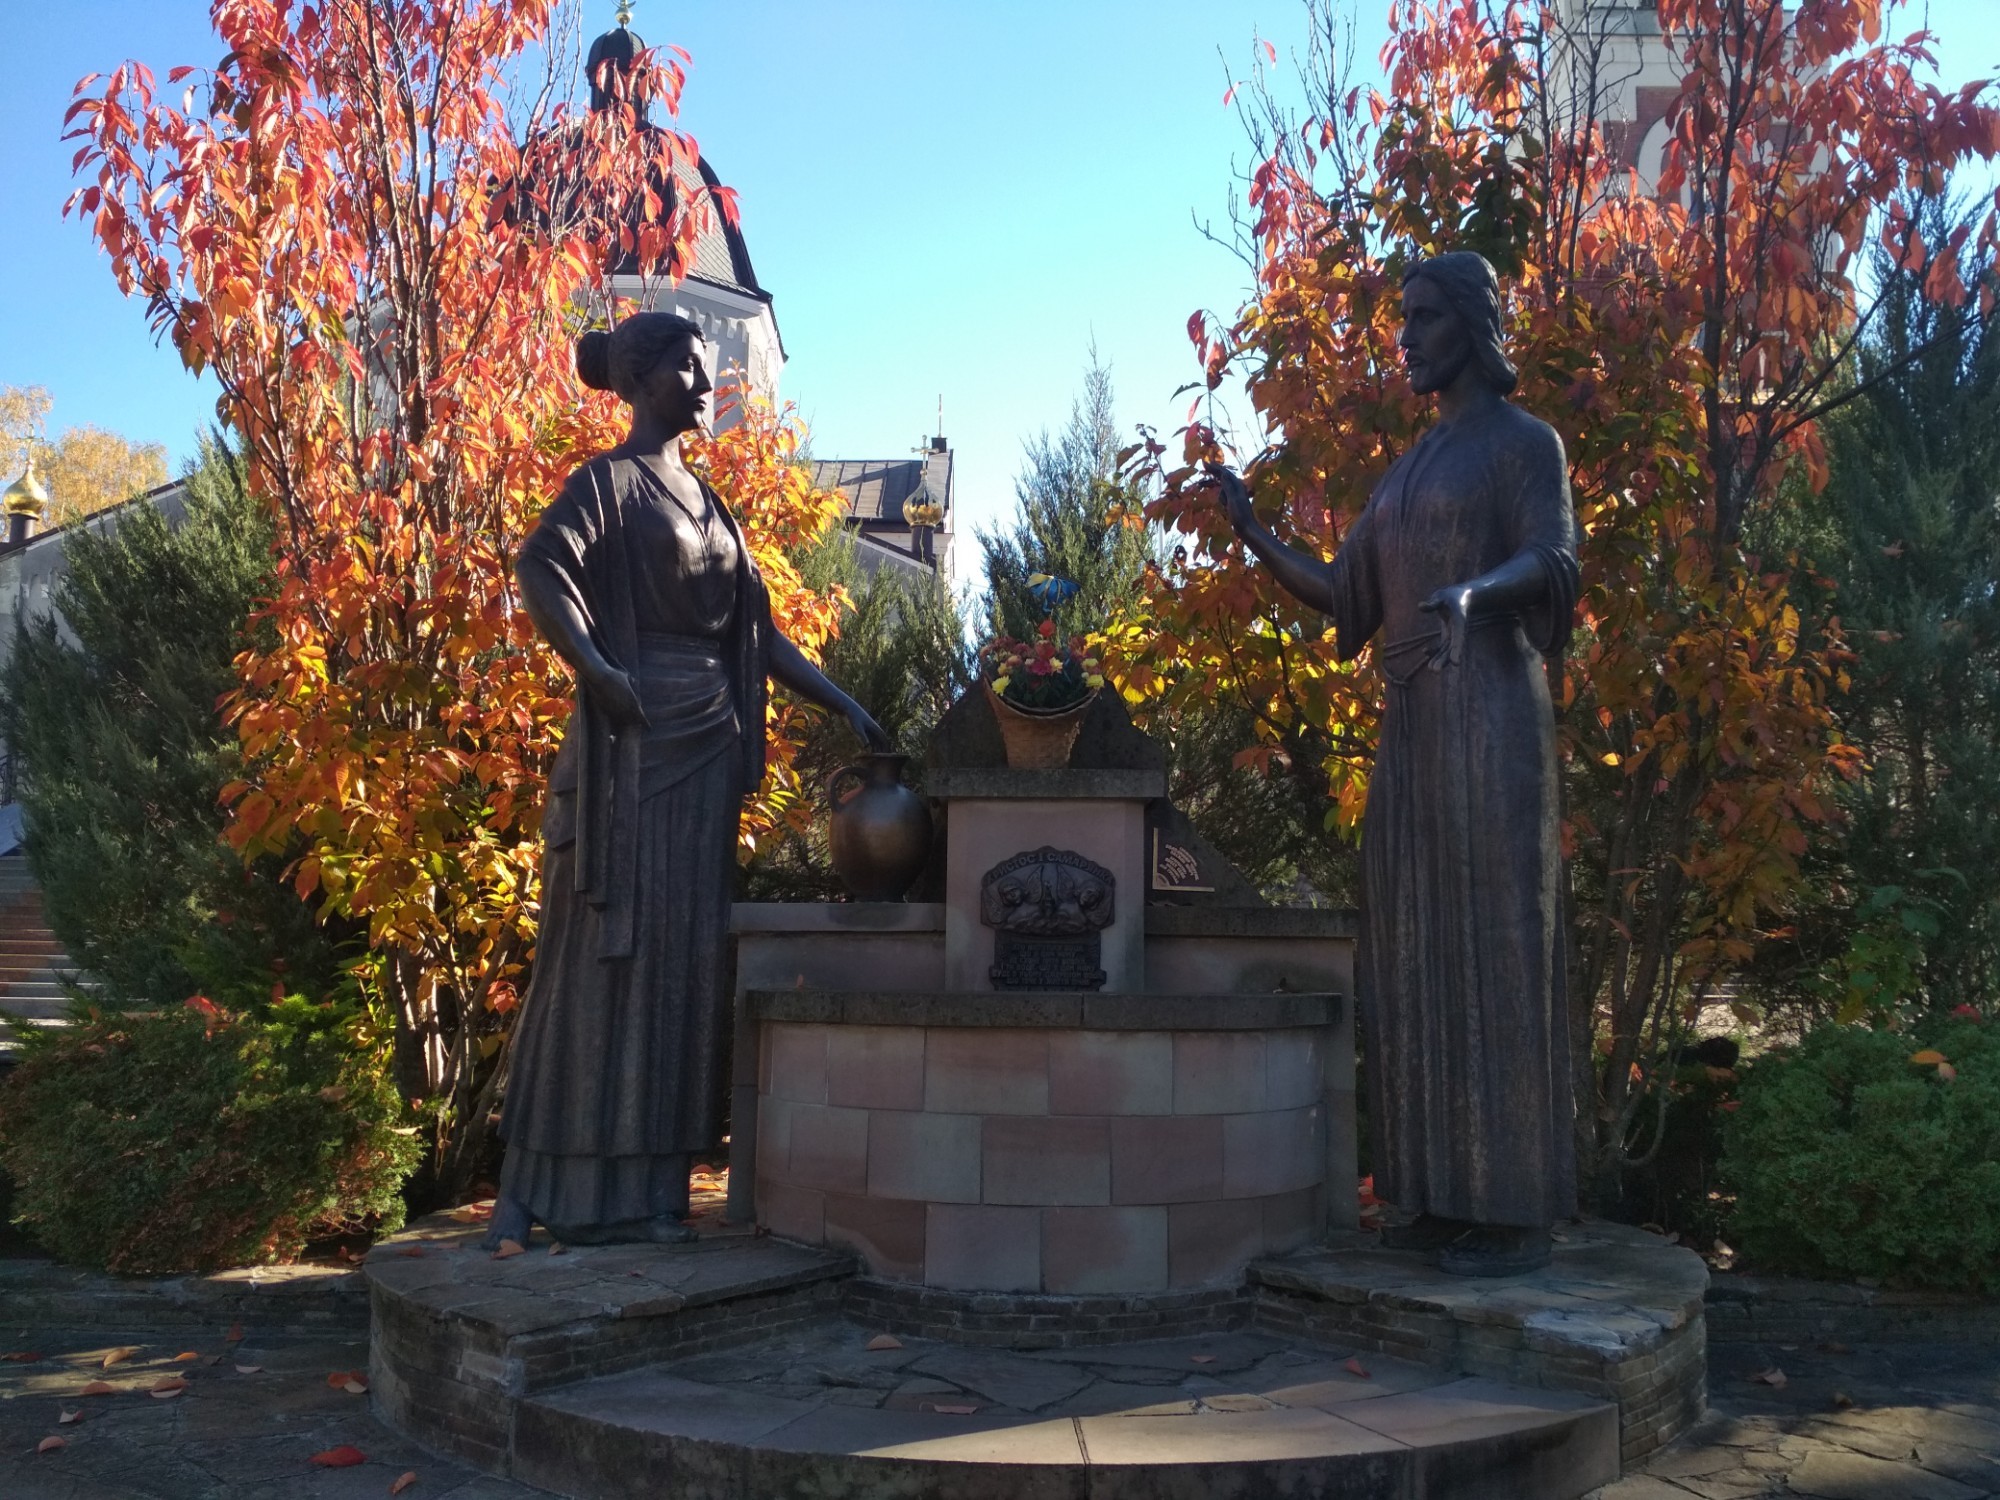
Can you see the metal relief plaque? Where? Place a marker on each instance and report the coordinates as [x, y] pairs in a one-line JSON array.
[[1048, 909], [1177, 868]]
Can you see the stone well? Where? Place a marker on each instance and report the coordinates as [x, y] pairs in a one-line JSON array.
[[1153, 1135], [1077, 1144], [1077, 1128]]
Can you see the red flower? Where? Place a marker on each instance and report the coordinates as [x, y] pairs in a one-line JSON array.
[[1968, 1012], [1047, 628]]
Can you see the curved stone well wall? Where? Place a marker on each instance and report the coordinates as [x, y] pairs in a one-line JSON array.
[[1074, 1145]]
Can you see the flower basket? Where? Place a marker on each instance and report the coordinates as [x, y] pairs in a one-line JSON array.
[[1038, 739]]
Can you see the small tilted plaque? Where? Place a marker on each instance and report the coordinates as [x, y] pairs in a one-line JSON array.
[[1048, 909]]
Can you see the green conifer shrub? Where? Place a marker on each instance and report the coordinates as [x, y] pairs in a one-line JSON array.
[[1856, 1155], [120, 753], [192, 1139]]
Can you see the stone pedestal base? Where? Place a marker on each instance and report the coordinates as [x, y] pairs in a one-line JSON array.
[[1063, 1144], [1617, 1314], [735, 1368]]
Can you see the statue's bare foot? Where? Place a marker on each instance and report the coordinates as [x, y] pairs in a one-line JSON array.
[[667, 1230], [1425, 1233], [1496, 1250], [511, 1221]]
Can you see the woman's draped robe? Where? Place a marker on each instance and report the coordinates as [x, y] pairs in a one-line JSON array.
[[1460, 964], [617, 1073]]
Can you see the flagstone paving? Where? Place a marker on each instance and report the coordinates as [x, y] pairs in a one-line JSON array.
[[1879, 1422], [1876, 1422], [254, 1413]]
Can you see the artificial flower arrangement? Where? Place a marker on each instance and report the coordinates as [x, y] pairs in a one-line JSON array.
[[1044, 673]]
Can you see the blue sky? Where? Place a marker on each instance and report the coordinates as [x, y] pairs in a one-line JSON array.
[[948, 199]]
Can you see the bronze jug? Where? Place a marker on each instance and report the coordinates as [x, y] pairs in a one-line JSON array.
[[880, 834]]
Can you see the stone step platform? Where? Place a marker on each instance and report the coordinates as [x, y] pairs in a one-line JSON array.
[[458, 1338], [819, 1414], [1616, 1315], [730, 1367]]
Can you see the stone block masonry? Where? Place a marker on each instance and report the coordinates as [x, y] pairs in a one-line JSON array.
[[1045, 1158]]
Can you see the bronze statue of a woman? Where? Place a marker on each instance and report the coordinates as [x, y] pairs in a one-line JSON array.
[[638, 576], [1464, 563]]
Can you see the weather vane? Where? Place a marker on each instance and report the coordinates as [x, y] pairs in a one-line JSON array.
[[624, 12]]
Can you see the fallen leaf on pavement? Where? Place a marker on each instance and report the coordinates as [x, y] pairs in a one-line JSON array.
[[235, 1334], [70, 1416], [509, 1249], [23, 1357], [1841, 1400], [169, 1387], [118, 1357], [403, 1481], [346, 1456], [186, 1356], [558, 1248], [339, 1378], [50, 1444], [885, 1341], [1355, 1367], [249, 1369], [99, 1388], [356, 1386], [1773, 1377], [412, 1252]]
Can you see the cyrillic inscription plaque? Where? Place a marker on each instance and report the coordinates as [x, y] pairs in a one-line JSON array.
[[1048, 909]]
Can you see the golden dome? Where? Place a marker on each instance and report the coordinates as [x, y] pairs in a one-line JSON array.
[[25, 496], [921, 510]]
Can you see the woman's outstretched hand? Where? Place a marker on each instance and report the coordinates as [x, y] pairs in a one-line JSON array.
[[868, 730], [1235, 496]]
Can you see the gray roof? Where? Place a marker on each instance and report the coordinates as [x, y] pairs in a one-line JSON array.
[[720, 255], [876, 488]]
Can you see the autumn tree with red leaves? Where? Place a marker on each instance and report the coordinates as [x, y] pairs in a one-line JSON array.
[[1686, 345], [385, 271]]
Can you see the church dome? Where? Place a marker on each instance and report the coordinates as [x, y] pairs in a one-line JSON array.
[[719, 255], [25, 496], [618, 46]]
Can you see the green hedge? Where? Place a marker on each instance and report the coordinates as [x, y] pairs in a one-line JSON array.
[[1851, 1160], [190, 1139]]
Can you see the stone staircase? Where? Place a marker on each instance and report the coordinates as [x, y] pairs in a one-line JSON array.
[[32, 961]]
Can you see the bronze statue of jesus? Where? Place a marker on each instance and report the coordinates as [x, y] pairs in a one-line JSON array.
[[1462, 569]]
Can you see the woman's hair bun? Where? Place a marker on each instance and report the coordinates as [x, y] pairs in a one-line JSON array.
[[593, 359]]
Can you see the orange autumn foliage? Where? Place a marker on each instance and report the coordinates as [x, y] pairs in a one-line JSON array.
[[1684, 345], [378, 230]]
